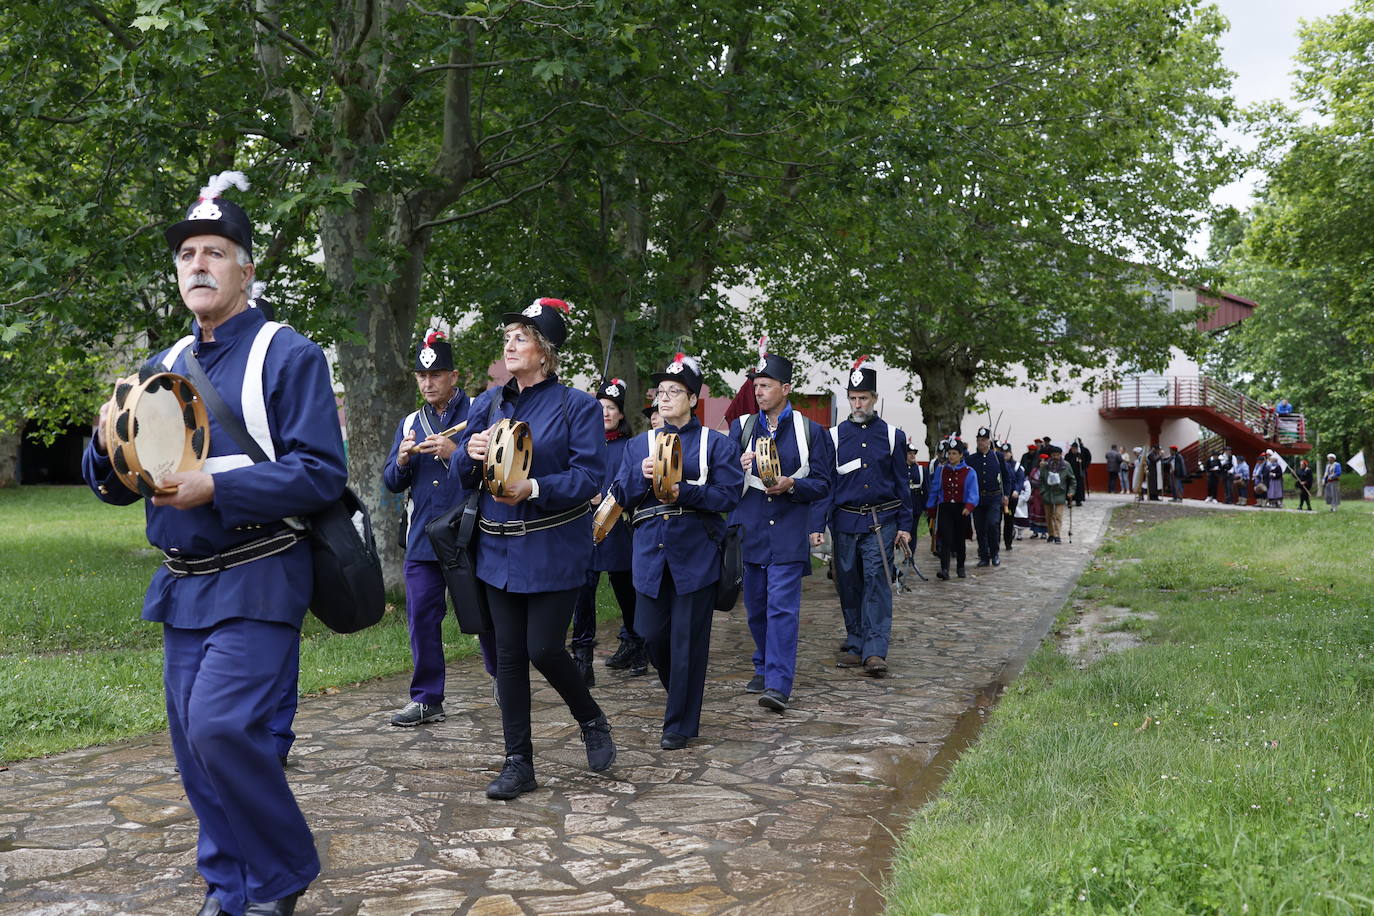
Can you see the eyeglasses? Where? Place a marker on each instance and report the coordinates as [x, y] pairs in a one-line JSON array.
[[670, 393]]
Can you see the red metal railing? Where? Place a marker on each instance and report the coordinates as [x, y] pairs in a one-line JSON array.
[[1200, 391]]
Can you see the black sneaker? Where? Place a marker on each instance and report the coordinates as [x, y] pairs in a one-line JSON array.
[[517, 778], [596, 735], [959, 571], [755, 684], [621, 658], [419, 714], [639, 661], [981, 563], [942, 573], [775, 700]]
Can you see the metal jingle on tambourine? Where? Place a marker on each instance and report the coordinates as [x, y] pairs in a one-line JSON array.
[[766, 462], [667, 465], [510, 455], [158, 425], [605, 518]]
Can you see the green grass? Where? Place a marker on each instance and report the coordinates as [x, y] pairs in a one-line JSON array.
[[79, 667], [1249, 790]]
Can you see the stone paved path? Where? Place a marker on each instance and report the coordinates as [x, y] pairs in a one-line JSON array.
[[763, 814]]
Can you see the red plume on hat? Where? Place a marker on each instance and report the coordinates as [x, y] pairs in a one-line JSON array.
[[432, 336], [858, 362], [616, 381], [763, 346], [554, 304]]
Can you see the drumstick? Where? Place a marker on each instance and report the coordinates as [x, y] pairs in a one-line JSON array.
[[451, 431]]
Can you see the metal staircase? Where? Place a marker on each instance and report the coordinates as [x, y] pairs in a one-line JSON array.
[[1245, 424]]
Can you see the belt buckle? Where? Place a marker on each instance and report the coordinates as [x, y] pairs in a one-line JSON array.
[[518, 527]]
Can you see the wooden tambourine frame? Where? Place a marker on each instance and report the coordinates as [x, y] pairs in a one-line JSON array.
[[766, 464], [667, 465], [603, 520], [509, 456], [156, 426]]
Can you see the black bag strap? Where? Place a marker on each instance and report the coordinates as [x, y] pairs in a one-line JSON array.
[[227, 418]]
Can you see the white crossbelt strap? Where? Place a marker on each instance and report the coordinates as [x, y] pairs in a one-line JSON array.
[[701, 455]]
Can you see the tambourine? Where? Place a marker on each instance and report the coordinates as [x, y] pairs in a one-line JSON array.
[[766, 464], [157, 426], [509, 456], [604, 519], [667, 465]]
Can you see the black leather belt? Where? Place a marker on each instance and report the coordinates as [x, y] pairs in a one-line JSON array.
[[521, 527], [873, 507], [235, 556], [668, 511]]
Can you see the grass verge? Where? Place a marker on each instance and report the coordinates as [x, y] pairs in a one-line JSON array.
[[79, 667], [1222, 768]]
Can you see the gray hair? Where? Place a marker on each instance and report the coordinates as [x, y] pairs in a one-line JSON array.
[[239, 254]]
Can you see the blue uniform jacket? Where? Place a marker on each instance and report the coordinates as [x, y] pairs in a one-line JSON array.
[[688, 546], [569, 463], [867, 472], [992, 473], [614, 553], [775, 528], [433, 491], [308, 474], [937, 486], [1015, 475]]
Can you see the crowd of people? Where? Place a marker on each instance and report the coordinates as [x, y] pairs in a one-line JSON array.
[[1230, 479]]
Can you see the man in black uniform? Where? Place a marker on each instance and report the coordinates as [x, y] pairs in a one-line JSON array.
[[993, 492]]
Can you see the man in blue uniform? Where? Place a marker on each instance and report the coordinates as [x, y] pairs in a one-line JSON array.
[[231, 626], [419, 463], [993, 493], [775, 519], [869, 513], [677, 545]]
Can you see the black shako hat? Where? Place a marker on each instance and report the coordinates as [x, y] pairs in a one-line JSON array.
[[213, 215], [683, 369], [1054, 448], [547, 315], [649, 411], [983, 433], [862, 378], [613, 391], [775, 367], [434, 354]]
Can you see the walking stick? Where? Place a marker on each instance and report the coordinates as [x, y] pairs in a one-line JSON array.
[[1070, 502]]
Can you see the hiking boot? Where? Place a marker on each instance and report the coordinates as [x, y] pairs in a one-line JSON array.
[[775, 700], [596, 735], [875, 666], [942, 573], [755, 684], [959, 571], [419, 714], [848, 660], [517, 778], [582, 658], [621, 658]]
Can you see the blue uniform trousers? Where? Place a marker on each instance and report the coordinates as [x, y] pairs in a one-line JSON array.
[[280, 725], [426, 605], [677, 633], [865, 589], [223, 684], [772, 597], [987, 527]]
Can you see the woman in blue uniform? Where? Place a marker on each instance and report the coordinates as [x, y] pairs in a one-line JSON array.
[[611, 556], [535, 543], [677, 545]]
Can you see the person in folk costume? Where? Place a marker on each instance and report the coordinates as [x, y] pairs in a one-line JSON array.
[[1228, 464], [1035, 505], [612, 556], [1306, 480], [775, 523], [941, 459], [1211, 466], [1155, 465], [1178, 473], [1257, 477], [953, 497], [534, 545], [1240, 480], [994, 491], [231, 622], [1056, 489], [1030, 457], [1331, 483], [872, 487], [424, 476], [1271, 476], [1079, 458], [677, 544], [918, 479], [1016, 479]]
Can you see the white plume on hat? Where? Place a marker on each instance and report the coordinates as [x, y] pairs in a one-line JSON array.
[[221, 182], [692, 361]]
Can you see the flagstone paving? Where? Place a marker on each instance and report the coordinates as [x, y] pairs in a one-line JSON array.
[[790, 814]]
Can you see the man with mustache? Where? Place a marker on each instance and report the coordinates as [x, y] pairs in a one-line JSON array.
[[869, 514], [236, 580]]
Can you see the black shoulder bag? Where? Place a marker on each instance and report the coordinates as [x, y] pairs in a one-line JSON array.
[[349, 594]]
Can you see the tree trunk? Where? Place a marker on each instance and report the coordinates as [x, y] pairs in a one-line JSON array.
[[945, 385], [9, 456]]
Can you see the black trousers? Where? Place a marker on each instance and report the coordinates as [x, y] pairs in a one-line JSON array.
[[530, 630], [949, 521], [987, 518], [584, 613], [677, 632], [1009, 520], [1213, 483]]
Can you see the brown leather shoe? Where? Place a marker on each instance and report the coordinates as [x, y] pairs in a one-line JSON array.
[[876, 666], [848, 660]]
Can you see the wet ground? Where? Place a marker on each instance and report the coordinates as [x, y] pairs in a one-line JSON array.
[[790, 814]]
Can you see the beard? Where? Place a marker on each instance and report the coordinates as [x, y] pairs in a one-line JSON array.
[[863, 415]]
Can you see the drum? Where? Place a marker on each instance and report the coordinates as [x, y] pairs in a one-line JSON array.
[[607, 514], [509, 456], [158, 425], [667, 465], [766, 464]]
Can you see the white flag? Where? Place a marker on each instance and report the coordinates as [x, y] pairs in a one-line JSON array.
[[1356, 464]]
